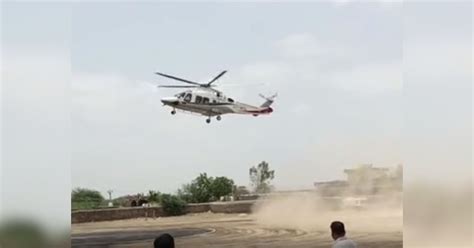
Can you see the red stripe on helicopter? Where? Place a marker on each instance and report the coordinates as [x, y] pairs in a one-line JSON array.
[[262, 111]]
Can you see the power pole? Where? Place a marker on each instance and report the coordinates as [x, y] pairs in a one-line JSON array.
[[110, 194], [110, 197]]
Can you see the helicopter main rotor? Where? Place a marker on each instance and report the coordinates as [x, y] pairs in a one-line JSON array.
[[193, 84]]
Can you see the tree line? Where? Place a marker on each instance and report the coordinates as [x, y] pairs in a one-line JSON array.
[[200, 190]]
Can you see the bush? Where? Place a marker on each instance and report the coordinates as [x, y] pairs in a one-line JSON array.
[[172, 205], [86, 199]]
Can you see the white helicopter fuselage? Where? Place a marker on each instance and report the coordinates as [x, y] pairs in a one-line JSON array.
[[204, 99], [210, 102]]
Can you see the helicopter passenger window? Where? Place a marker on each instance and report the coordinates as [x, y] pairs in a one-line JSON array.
[[187, 98], [198, 99], [230, 99], [205, 100]]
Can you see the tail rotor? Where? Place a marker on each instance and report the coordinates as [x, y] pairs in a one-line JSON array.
[[269, 100]]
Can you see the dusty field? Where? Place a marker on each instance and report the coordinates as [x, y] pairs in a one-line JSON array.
[[272, 225]]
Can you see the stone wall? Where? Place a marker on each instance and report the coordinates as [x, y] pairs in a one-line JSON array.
[[197, 208], [215, 207], [115, 214], [154, 212], [232, 207]]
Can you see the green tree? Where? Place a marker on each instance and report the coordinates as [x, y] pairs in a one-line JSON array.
[[184, 193], [199, 190], [86, 198], [206, 189], [260, 177], [172, 205], [221, 186], [154, 196]]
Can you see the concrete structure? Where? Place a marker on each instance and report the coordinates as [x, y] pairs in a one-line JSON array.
[[155, 212], [365, 173], [365, 179]]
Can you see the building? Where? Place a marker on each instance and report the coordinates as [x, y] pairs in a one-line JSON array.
[[365, 173], [364, 179]]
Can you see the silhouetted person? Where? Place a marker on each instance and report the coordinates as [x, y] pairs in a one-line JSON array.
[[164, 241], [338, 233]]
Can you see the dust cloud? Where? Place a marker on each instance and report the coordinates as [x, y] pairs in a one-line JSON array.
[[311, 212], [369, 201], [441, 212]]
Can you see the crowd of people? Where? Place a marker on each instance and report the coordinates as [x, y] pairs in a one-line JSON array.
[[338, 233]]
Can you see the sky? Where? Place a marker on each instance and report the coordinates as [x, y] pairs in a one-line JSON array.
[[357, 83], [336, 68], [35, 113]]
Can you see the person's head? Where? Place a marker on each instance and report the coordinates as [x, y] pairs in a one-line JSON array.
[[337, 230], [164, 241]]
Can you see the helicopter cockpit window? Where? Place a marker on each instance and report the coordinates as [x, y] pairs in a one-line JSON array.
[[187, 98], [230, 99], [198, 99], [205, 100]]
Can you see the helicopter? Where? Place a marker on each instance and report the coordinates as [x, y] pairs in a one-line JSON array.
[[204, 99]]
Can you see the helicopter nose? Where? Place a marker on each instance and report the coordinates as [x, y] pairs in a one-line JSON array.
[[169, 100]]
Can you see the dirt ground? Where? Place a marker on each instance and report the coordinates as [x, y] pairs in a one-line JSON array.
[[240, 230], [296, 220]]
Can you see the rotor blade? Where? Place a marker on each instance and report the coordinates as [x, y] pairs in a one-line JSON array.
[[270, 97], [217, 77], [177, 78], [239, 84], [217, 91], [176, 86]]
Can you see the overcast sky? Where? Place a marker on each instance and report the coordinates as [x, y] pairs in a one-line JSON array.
[[336, 68]]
